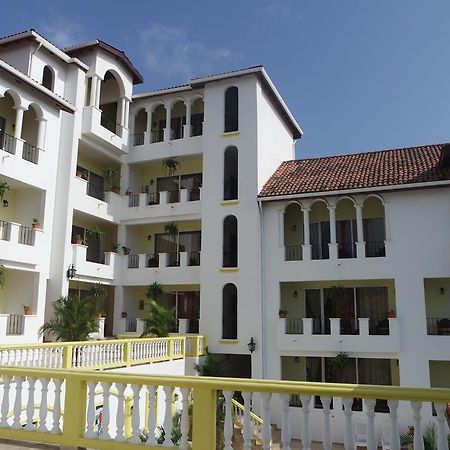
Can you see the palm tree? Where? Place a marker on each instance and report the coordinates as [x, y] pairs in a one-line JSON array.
[[98, 294], [73, 319], [2, 275], [160, 321]]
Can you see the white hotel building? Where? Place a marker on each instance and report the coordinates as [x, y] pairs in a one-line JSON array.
[[355, 248]]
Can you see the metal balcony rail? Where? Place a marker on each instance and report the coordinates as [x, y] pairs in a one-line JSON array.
[[153, 198], [139, 139], [7, 143], [157, 136], [177, 132], [346, 249], [293, 253], [438, 326], [26, 235], [30, 153], [194, 194], [173, 259], [349, 326], [152, 260], [193, 258], [131, 325], [173, 196], [15, 325], [186, 409], [133, 200], [378, 326], [96, 191], [320, 251], [133, 261], [294, 325], [321, 325], [5, 231], [375, 249], [193, 325], [197, 129], [111, 125]]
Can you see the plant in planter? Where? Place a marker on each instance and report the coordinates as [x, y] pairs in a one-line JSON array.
[[95, 233], [172, 230], [2, 275], [78, 239], [154, 291], [98, 294], [124, 315], [339, 363], [129, 191], [36, 223], [126, 250], [4, 188], [27, 310], [110, 174], [282, 313], [115, 248], [170, 166]]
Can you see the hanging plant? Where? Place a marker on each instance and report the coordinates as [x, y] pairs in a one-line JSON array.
[[110, 173], [4, 187], [339, 362], [171, 229], [95, 233], [170, 166], [154, 291]]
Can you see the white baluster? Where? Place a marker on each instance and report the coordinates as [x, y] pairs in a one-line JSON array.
[[17, 403], [184, 443], [266, 432], [104, 435], [348, 431], [326, 403], [247, 432], [228, 424], [43, 406], [5, 401], [90, 415], [120, 418], [285, 422], [418, 439], [30, 404], [369, 404], [306, 428], [57, 406], [135, 415], [441, 433], [394, 436], [168, 425], [151, 440]]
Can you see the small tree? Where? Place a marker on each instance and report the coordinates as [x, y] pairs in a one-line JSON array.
[[4, 187], [170, 166], [73, 319], [110, 174], [154, 291], [172, 230], [98, 294], [159, 322]]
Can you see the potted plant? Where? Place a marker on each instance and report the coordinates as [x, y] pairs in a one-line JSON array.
[[170, 166], [282, 313], [79, 173], [95, 233], [4, 187], [27, 310], [78, 239], [129, 192], [110, 174], [339, 363], [36, 223], [115, 248], [124, 315], [126, 250], [154, 291]]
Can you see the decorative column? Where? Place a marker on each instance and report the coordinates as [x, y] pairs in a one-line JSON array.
[[41, 132], [121, 111], [148, 132], [98, 89], [333, 247], [187, 127], [168, 129], [306, 246], [280, 228], [19, 121], [360, 245], [93, 97], [126, 113], [387, 228]]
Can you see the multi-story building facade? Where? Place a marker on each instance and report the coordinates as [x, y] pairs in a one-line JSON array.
[[181, 187]]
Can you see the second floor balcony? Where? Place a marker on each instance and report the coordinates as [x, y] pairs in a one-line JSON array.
[[104, 269]]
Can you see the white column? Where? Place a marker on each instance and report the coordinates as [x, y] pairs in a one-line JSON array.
[[41, 132], [97, 91], [121, 112], [333, 245], [168, 129], [187, 127], [127, 113], [387, 221], [360, 245], [306, 246], [280, 227], [93, 97], [19, 121]]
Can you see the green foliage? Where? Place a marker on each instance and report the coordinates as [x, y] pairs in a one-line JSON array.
[[170, 166], [160, 321], [337, 292], [110, 174], [98, 294], [339, 363], [73, 319], [95, 233], [4, 187], [176, 430], [154, 291], [430, 437], [2, 275], [209, 367], [171, 229]]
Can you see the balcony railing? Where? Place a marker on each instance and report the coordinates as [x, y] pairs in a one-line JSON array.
[[111, 125], [133, 200], [133, 261], [173, 259], [177, 132], [197, 129], [30, 153], [5, 231], [153, 198], [375, 249], [7, 143], [96, 191], [152, 260], [131, 325], [173, 196], [349, 326], [15, 325], [320, 251], [157, 136], [193, 258], [293, 253], [138, 139], [346, 249], [27, 235], [438, 326], [193, 194]]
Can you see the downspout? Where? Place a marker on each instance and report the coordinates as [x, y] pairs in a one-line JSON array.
[[263, 351], [31, 58]]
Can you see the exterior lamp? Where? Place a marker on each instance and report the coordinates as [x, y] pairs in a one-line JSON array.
[[71, 272], [251, 345], [5, 203]]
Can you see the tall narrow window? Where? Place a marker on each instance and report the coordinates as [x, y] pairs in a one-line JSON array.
[[230, 242], [229, 311], [231, 109], [48, 78], [230, 174]]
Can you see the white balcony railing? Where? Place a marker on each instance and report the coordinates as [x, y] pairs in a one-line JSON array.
[[90, 269]]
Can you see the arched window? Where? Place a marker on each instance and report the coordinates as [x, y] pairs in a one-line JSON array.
[[230, 174], [230, 242], [229, 311], [48, 78], [231, 109]]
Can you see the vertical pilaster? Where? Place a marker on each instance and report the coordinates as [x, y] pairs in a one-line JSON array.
[[187, 127], [307, 245], [97, 90], [168, 129], [19, 121], [41, 132], [360, 245], [333, 244], [94, 86]]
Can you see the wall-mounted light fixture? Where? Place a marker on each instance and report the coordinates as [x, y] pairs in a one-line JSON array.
[[295, 294], [5, 203], [442, 291], [149, 237], [294, 227], [71, 272], [296, 359], [251, 345]]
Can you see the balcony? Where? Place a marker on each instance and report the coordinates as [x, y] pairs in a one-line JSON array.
[[104, 205], [103, 131], [438, 326], [17, 328], [338, 335], [92, 271], [185, 204], [166, 268], [20, 244]]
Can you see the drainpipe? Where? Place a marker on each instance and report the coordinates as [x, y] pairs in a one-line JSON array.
[[263, 340], [31, 58]]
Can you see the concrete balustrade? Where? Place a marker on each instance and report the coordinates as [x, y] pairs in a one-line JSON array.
[[91, 269]]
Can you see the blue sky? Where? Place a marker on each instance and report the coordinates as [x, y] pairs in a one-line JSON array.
[[357, 74]]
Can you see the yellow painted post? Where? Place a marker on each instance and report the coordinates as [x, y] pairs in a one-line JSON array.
[[74, 411], [67, 357], [204, 418], [127, 353], [170, 348]]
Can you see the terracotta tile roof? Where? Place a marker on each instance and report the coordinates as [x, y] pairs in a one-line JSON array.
[[357, 171]]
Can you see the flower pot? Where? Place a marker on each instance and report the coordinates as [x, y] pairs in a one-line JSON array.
[[124, 315], [27, 311], [35, 226], [79, 242], [282, 315]]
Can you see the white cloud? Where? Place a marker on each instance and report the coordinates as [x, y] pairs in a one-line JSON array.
[[62, 32], [169, 50]]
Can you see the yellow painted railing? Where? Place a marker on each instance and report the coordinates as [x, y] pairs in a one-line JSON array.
[[102, 354], [76, 392]]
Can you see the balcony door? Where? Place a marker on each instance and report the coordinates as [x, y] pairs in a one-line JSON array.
[[319, 239]]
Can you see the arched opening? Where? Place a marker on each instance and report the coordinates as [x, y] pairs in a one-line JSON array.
[[293, 232], [231, 109], [230, 174], [319, 230], [229, 311], [30, 133], [374, 227], [197, 117], [158, 123], [230, 242], [7, 122], [346, 234], [48, 78], [140, 127], [109, 103], [178, 120]]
